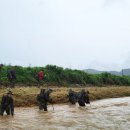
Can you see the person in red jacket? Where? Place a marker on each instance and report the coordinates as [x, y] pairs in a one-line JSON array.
[[40, 76]]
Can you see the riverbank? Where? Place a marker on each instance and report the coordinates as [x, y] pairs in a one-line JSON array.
[[26, 96]]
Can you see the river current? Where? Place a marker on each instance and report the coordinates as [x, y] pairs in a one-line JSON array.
[[108, 114]]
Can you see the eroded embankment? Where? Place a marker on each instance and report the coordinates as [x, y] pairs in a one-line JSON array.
[[26, 96]]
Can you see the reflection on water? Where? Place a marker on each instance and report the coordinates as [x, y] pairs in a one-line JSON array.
[[110, 114]]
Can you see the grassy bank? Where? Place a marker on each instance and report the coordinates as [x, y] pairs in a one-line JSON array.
[[26, 96], [54, 75]]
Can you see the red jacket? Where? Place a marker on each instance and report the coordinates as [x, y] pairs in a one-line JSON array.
[[40, 75]]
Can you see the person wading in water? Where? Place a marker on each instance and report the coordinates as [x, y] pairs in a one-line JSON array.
[[7, 104], [83, 98], [73, 96], [43, 98]]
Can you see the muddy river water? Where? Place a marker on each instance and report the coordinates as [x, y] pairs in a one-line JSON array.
[[108, 114]]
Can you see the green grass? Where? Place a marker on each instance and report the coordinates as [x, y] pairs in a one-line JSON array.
[[54, 75]]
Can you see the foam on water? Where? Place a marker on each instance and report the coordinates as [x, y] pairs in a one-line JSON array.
[[109, 114]]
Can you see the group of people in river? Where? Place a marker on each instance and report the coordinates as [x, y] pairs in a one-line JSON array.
[[43, 98], [81, 97]]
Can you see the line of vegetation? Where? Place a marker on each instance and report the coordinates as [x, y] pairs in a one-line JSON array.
[[54, 75]]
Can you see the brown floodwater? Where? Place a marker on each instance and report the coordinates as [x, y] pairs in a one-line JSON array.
[[109, 114]]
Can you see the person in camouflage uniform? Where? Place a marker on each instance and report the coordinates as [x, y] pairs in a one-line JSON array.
[[7, 104], [11, 75], [83, 98], [43, 98], [73, 96]]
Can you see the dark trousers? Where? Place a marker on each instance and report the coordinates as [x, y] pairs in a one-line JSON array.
[[42, 106], [81, 103], [12, 83], [8, 109], [12, 109], [5, 108]]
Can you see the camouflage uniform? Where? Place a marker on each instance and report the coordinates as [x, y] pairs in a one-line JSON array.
[[11, 75], [72, 96], [43, 98], [7, 104], [83, 98]]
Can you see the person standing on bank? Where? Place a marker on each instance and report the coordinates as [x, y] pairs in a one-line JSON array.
[[1, 66], [11, 75], [40, 76]]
